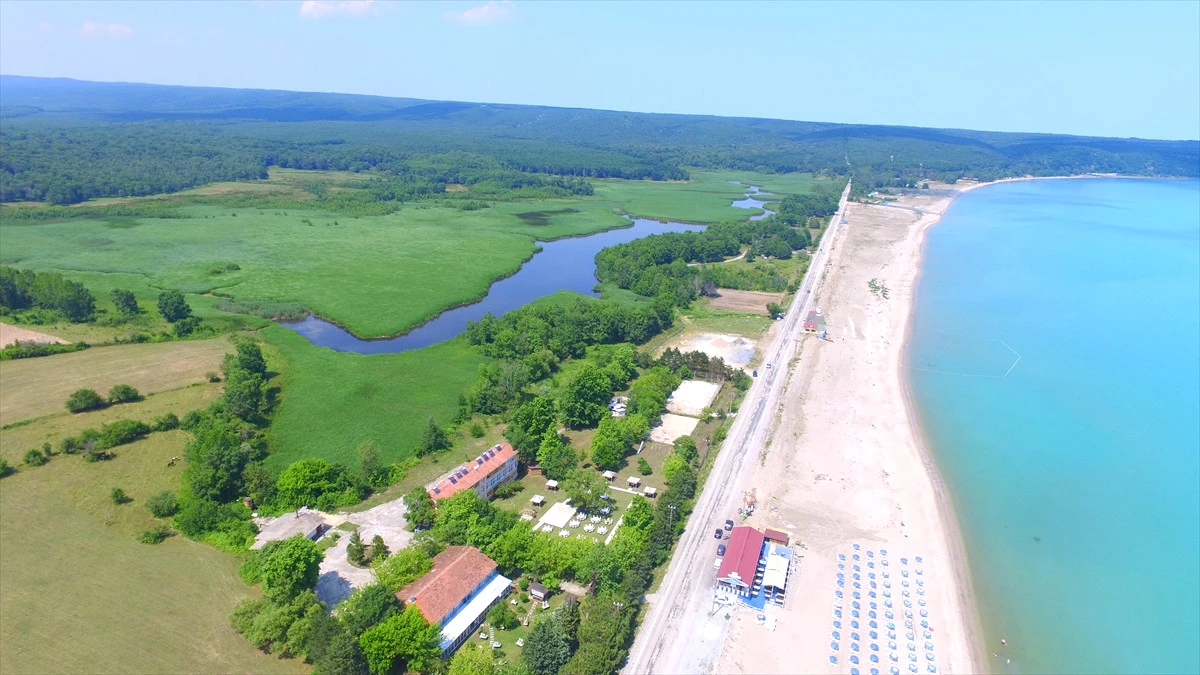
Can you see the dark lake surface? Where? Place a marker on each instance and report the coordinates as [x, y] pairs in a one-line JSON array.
[[561, 265], [751, 202]]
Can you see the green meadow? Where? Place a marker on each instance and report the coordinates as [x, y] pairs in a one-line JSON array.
[[80, 594], [332, 401]]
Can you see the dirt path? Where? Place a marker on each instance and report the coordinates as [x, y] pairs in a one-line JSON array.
[[10, 334]]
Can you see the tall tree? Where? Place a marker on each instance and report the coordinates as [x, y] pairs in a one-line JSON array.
[[547, 648], [366, 607], [290, 568], [173, 307], [420, 509], [433, 439], [406, 637], [556, 458], [584, 401], [471, 660], [125, 302]]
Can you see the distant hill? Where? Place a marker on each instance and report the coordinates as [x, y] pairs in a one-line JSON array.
[[65, 140]]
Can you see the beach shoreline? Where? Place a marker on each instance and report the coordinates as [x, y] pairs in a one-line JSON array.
[[856, 466]]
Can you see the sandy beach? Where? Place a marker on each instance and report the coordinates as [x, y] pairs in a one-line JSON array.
[[847, 463]]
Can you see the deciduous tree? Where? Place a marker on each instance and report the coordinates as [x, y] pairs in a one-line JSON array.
[[290, 568]]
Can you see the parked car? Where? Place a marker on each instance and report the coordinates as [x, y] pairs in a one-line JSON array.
[[755, 374], [720, 549], [718, 533], [728, 525]]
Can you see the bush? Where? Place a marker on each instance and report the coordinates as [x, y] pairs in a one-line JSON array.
[[191, 420], [477, 430], [123, 393], [35, 458], [502, 617], [118, 496], [5, 469], [212, 376], [509, 489], [644, 467], [68, 446], [156, 535], [84, 400], [121, 432], [163, 504], [251, 570], [167, 422]]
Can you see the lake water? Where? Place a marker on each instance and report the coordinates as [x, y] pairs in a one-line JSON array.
[[1055, 363], [562, 265]]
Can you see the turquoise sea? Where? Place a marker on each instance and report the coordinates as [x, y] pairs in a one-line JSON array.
[[1075, 473]]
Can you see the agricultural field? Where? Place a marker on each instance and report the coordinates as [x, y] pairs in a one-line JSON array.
[[80, 593], [332, 401], [40, 386]]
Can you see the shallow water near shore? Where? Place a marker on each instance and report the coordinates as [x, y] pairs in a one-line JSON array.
[[1054, 363]]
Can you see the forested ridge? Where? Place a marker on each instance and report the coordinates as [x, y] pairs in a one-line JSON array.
[[65, 141]]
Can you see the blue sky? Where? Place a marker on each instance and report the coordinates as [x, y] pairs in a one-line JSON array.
[[1110, 69]]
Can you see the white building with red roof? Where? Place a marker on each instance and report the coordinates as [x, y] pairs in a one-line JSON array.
[[740, 564], [457, 593], [497, 465]]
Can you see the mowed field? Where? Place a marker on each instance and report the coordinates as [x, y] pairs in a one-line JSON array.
[[332, 401], [79, 594], [40, 386]]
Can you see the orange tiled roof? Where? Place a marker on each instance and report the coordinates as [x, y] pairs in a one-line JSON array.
[[473, 471], [456, 572]]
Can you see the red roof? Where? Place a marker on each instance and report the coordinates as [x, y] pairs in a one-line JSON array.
[[456, 572], [776, 535], [741, 555], [469, 474]]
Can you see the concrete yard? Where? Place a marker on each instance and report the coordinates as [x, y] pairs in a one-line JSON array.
[[672, 427], [692, 397]]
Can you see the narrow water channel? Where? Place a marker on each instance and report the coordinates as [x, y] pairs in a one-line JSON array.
[[562, 265]]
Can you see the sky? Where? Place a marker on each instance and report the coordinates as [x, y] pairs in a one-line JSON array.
[[1104, 69]]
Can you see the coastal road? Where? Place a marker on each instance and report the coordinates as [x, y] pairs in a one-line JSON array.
[[670, 638]]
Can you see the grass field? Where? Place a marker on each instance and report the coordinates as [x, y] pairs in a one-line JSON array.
[[40, 386], [376, 275], [14, 441], [80, 594], [333, 401]]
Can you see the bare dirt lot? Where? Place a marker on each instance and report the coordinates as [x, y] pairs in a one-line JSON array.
[[751, 302], [736, 350], [10, 334]]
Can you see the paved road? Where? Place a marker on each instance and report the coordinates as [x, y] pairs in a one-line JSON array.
[[671, 639]]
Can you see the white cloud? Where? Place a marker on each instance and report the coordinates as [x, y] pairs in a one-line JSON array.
[[115, 31], [492, 12], [319, 9]]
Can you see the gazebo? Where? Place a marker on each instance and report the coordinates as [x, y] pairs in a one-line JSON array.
[[650, 491], [537, 500], [634, 481], [551, 485], [609, 475]]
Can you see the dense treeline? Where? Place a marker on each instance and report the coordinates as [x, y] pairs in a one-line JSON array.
[[661, 265], [63, 142], [26, 289]]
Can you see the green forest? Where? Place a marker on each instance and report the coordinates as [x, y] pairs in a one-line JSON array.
[[66, 141]]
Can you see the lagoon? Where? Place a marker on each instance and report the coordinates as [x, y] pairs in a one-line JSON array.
[[561, 265], [1055, 365]]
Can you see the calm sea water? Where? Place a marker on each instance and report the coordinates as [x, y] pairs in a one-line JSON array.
[[1076, 471]]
